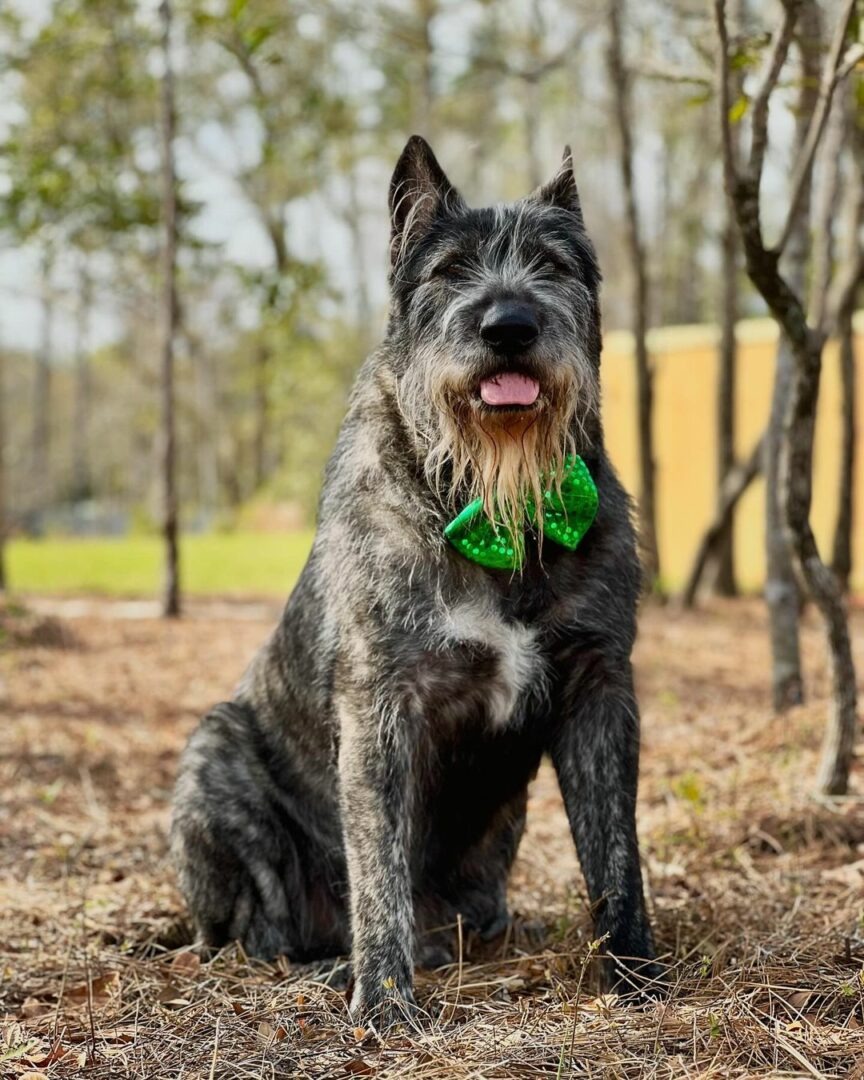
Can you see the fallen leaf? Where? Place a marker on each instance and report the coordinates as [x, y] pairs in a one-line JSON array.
[[265, 1031], [98, 991], [359, 1034], [602, 1004], [187, 964], [799, 1000], [358, 1067], [32, 1007], [173, 997], [59, 1053]]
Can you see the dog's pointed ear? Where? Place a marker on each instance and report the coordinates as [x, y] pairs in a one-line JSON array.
[[561, 190], [419, 192]]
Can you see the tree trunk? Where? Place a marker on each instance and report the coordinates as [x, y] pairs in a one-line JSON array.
[[170, 312], [782, 589], [40, 445], [797, 468], [3, 577], [425, 12], [81, 482], [354, 220], [207, 425], [261, 435], [724, 578], [841, 555], [619, 79], [853, 260], [530, 93]]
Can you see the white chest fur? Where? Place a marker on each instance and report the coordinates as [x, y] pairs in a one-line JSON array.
[[520, 669]]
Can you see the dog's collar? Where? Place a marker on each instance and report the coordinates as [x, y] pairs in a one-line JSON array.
[[568, 513]]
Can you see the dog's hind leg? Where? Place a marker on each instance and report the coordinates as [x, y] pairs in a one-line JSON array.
[[469, 881], [253, 866]]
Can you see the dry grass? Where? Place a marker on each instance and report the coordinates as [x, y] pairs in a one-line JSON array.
[[756, 888]]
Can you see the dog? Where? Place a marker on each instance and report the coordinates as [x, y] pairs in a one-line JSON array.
[[469, 605]]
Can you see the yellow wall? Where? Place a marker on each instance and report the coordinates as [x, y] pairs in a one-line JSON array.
[[685, 360]]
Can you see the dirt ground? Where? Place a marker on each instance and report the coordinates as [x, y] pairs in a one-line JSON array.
[[756, 888]]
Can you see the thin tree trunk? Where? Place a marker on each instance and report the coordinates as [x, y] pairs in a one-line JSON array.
[[782, 589], [841, 554], [426, 12], [170, 312], [207, 424], [531, 109], [724, 583], [724, 579], [40, 445], [782, 594], [354, 221], [4, 581], [853, 260], [261, 435], [81, 484], [797, 476], [619, 79]]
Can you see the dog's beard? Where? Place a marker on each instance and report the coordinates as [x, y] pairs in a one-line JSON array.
[[505, 459]]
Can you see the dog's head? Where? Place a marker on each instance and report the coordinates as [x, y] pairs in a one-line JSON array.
[[496, 327]]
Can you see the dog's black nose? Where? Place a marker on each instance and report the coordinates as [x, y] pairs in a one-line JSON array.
[[509, 327]]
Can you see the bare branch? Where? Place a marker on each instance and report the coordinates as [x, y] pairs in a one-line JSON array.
[[822, 246], [737, 481], [730, 168], [835, 64], [780, 45]]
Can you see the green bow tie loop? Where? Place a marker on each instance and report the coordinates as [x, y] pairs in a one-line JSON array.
[[566, 518]]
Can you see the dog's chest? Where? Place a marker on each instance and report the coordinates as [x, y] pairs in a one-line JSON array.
[[494, 665]]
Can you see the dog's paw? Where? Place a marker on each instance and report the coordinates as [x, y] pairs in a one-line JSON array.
[[381, 1004]]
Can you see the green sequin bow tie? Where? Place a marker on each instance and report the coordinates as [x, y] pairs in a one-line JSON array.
[[566, 518]]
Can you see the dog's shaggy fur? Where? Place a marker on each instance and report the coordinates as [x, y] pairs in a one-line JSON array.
[[367, 783]]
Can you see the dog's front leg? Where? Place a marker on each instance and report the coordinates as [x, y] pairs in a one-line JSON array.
[[375, 778], [596, 755]]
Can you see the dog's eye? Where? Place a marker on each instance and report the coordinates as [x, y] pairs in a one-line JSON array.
[[453, 270], [552, 263]]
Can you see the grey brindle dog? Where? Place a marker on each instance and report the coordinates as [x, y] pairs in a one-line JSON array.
[[367, 783]]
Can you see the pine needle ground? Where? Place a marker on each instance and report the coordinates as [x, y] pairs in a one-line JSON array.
[[756, 887]]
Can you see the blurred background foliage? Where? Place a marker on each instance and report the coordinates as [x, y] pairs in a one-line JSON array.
[[290, 115]]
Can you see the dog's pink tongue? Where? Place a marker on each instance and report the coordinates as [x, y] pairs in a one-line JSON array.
[[509, 388]]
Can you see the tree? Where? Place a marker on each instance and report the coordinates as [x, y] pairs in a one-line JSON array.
[[170, 320], [782, 590], [843, 305], [620, 84], [727, 353], [806, 343], [288, 99], [72, 183]]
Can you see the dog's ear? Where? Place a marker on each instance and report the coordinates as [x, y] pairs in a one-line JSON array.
[[561, 190], [419, 192]]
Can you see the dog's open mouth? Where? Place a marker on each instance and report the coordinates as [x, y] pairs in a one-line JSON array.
[[509, 390]]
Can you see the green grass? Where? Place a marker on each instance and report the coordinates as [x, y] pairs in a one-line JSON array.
[[263, 564]]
